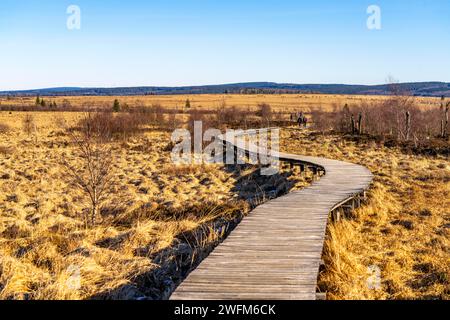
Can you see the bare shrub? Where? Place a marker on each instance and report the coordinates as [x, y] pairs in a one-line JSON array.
[[28, 124], [397, 118], [265, 113], [196, 115], [92, 173], [225, 114], [444, 110], [155, 115], [157, 112], [114, 126], [345, 116], [60, 122], [324, 121], [66, 104], [230, 117], [280, 118], [207, 121], [173, 121], [388, 118]]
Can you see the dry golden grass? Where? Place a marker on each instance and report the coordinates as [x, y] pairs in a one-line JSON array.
[[164, 218], [161, 220], [403, 229], [281, 102]]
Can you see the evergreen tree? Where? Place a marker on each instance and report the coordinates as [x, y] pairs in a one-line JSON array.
[[116, 106]]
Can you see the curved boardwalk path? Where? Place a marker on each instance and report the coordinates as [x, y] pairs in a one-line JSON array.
[[275, 252]]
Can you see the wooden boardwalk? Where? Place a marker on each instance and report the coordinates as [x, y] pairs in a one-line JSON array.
[[275, 252]]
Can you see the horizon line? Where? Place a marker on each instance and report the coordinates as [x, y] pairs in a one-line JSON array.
[[218, 85]]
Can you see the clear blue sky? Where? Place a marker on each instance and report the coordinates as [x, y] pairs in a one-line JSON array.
[[193, 42]]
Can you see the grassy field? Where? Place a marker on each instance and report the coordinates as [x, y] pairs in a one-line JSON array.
[[402, 231], [160, 220], [282, 102]]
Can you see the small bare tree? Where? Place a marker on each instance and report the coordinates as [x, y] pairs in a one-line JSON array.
[[265, 113], [29, 126], [93, 172]]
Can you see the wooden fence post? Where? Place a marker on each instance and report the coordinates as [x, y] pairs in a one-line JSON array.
[[360, 123], [302, 168], [446, 121], [408, 125], [353, 124]]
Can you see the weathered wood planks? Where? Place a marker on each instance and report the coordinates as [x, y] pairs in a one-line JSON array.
[[275, 252]]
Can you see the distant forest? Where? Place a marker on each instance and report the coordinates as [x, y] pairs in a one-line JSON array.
[[430, 89]]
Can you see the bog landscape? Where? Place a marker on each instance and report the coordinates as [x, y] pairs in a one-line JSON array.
[[182, 188], [152, 222]]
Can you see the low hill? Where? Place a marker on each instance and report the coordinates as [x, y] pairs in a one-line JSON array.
[[432, 89]]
